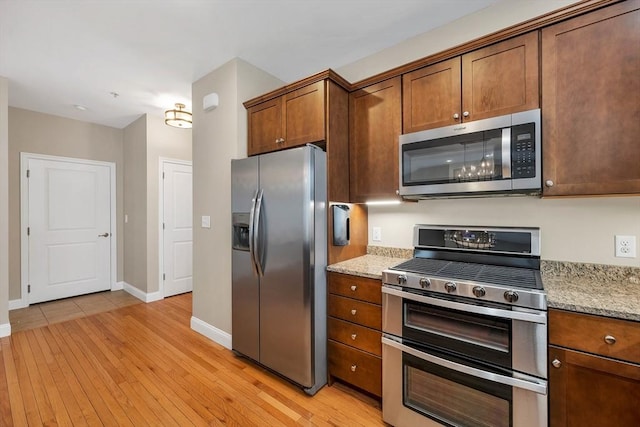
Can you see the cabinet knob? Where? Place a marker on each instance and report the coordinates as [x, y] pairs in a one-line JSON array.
[[610, 339], [353, 312], [556, 363], [465, 114], [548, 183], [456, 116], [353, 368], [353, 288], [353, 336]]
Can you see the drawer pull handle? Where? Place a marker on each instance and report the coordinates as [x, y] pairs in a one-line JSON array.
[[556, 363], [353, 368], [353, 288], [353, 312], [353, 336], [610, 339]]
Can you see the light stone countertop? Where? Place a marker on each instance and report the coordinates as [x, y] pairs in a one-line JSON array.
[[586, 288], [370, 266]]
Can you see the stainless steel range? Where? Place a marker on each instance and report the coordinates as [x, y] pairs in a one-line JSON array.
[[465, 330]]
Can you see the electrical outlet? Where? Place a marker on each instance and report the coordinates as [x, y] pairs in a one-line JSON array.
[[376, 234], [626, 246]]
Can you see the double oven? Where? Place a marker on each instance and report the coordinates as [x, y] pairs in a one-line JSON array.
[[465, 330]]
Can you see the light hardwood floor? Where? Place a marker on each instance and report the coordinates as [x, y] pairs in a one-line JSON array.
[[143, 365]]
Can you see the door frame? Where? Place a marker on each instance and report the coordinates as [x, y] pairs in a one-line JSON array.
[[161, 162], [24, 217]]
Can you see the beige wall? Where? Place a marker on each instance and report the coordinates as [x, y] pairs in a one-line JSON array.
[[135, 206], [4, 202], [167, 142], [491, 19], [218, 137], [576, 229], [39, 133]]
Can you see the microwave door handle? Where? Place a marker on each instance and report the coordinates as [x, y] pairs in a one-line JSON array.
[[256, 236], [469, 308], [506, 153], [531, 384]]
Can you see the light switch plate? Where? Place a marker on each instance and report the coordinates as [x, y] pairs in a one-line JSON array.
[[206, 221], [376, 234]]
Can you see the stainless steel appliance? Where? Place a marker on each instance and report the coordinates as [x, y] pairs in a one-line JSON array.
[[278, 263], [500, 155], [465, 330]]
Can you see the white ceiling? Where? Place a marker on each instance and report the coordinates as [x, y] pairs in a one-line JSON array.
[[60, 53]]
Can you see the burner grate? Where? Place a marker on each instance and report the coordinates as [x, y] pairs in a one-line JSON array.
[[490, 274]]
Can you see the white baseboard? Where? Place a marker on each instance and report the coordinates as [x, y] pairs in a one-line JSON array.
[[211, 332], [142, 296], [118, 286], [5, 330], [15, 304]]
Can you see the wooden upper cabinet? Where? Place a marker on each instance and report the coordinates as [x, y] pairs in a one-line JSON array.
[[293, 119], [375, 118], [431, 96], [591, 103], [303, 111], [265, 126], [499, 79], [310, 111]]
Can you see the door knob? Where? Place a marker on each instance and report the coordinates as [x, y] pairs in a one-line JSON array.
[[456, 116], [556, 363], [103, 235], [353, 312], [465, 114], [353, 288], [609, 339], [548, 183]]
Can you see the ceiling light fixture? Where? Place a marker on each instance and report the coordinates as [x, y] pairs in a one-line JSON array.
[[178, 118]]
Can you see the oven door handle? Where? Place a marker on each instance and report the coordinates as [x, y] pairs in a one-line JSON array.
[[469, 308], [530, 383]]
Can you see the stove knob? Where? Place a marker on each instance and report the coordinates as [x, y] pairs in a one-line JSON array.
[[402, 280], [425, 283], [511, 296], [479, 291], [450, 287]]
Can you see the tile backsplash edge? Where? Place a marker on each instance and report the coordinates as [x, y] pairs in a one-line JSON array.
[[601, 272]]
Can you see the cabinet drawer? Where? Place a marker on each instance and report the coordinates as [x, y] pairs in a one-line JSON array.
[[355, 367], [587, 333], [362, 313], [362, 288], [357, 336]]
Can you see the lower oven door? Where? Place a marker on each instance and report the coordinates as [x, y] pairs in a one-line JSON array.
[[422, 388], [513, 338]]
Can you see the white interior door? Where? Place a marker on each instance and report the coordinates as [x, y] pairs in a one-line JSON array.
[[69, 220], [177, 232]]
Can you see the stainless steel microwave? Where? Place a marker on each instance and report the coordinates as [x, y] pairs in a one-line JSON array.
[[496, 156]]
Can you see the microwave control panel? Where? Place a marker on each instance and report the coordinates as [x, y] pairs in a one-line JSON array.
[[523, 151]]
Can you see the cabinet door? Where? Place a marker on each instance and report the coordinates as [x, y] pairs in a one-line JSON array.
[[374, 128], [588, 390], [265, 127], [591, 104], [431, 96], [501, 78], [304, 115]]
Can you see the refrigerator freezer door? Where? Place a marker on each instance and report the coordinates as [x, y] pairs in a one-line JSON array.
[[286, 242], [245, 293]]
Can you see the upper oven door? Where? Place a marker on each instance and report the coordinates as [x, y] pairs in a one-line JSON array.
[[508, 338]]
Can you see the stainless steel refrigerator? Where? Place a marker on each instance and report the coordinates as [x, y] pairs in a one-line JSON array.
[[278, 261]]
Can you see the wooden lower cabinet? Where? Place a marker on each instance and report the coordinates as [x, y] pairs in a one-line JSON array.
[[589, 390], [354, 331], [594, 377]]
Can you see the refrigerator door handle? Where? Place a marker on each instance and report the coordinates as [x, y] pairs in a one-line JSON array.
[[252, 248], [256, 234]]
